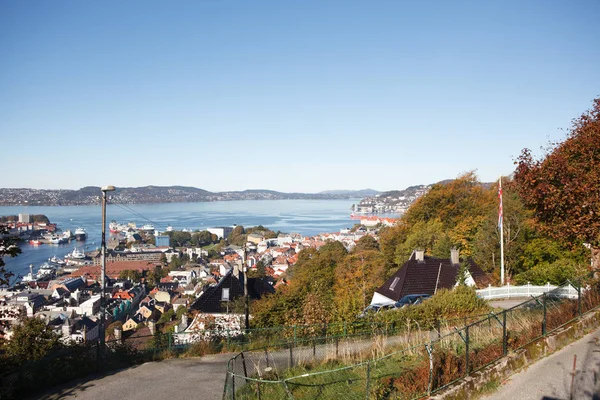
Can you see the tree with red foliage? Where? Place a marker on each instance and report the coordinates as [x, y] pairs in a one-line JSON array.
[[564, 187]]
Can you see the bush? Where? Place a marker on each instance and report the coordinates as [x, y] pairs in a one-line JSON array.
[[445, 304], [204, 347], [556, 273]]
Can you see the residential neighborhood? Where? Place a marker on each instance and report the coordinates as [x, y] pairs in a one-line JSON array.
[[191, 289]]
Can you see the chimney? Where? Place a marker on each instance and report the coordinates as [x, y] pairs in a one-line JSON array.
[[420, 255], [118, 334], [152, 326], [454, 258]]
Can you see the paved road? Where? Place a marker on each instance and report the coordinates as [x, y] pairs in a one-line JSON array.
[[508, 303], [200, 378], [550, 378]]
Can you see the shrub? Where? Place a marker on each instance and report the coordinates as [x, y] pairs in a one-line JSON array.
[[445, 304]]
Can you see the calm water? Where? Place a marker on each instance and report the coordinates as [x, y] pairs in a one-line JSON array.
[[307, 217]]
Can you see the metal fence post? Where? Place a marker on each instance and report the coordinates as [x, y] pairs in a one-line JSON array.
[[544, 321], [368, 389], [579, 296], [429, 349], [467, 350], [504, 335], [267, 356], [291, 357], [345, 330], [294, 335], [244, 365]]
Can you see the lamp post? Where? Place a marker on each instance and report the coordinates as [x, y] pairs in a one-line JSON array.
[[101, 334], [246, 308]]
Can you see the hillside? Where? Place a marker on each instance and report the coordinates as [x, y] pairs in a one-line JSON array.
[[157, 194]]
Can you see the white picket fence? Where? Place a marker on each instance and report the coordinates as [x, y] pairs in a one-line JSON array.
[[508, 291]]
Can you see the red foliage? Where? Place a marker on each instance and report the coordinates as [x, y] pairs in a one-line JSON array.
[[564, 187]]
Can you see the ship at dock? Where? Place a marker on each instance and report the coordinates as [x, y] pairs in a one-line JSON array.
[[80, 234]]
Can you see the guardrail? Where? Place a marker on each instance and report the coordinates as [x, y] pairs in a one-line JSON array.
[[508, 291]]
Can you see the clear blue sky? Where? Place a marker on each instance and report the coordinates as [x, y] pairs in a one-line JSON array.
[[286, 95]]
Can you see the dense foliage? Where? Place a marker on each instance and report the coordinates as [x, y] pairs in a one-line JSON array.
[[333, 285], [563, 188]]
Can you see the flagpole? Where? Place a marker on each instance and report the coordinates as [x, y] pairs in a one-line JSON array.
[[501, 227]]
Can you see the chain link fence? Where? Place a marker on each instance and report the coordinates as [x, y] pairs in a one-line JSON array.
[[409, 365]]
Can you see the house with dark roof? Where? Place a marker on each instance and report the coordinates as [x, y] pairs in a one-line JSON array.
[[422, 274], [214, 299]]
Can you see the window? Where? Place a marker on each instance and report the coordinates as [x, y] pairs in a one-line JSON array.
[[394, 283], [225, 294]]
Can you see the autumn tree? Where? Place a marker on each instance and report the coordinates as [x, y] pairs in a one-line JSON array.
[[366, 242], [237, 236], [563, 188], [310, 293], [356, 279]]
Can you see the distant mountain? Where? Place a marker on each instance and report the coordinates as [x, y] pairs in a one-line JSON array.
[[351, 193], [158, 194]]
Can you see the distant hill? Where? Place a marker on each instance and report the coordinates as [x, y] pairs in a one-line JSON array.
[[351, 193], [159, 194], [396, 201]]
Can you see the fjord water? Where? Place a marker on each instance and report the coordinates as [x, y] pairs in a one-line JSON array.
[[307, 217]]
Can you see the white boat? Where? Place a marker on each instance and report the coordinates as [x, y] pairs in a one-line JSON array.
[[46, 271], [76, 254], [147, 227], [80, 234], [55, 239], [56, 261]]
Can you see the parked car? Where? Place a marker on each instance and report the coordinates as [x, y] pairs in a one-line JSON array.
[[377, 307], [411, 300]]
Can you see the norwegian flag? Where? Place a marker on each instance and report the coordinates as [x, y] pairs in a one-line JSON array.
[[500, 214]]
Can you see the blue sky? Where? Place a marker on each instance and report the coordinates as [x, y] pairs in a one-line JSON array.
[[286, 95]]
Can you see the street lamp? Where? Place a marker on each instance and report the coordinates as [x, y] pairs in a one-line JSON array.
[[246, 308], [101, 334]]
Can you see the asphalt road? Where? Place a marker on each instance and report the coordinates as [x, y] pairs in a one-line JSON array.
[[552, 377], [200, 378]]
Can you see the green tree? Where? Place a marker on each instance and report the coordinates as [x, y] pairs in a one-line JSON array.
[[237, 236], [8, 247], [31, 340], [167, 316], [462, 274], [366, 242], [154, 276], [132, 275], [181, 310], [563, 186], [179, 238]]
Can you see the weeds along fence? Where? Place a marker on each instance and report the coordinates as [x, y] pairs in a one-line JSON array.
[[301, 335], [408, 366]]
